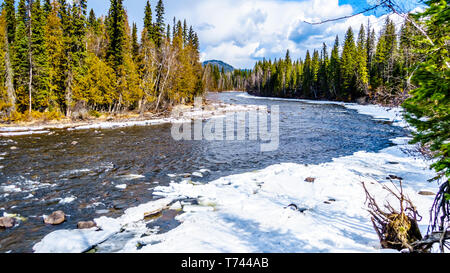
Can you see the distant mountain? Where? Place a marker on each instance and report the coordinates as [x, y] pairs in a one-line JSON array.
[[220, 64]]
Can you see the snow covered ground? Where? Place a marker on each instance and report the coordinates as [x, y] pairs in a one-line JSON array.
[[185, 114], [274, 209]]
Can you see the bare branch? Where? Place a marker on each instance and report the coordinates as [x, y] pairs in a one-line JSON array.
[[382, 3]]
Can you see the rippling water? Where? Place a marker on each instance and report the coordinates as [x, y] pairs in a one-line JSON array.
[[87, 179]]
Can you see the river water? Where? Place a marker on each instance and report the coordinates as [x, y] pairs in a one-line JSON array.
[[84, 172]]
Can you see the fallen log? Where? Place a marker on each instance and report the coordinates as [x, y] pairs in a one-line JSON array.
[[427, 243]]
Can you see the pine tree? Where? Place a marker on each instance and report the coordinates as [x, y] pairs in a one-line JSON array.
[[148, 20], [323, 72], [135, 43], [116, 33], [92, 20], [335, 70], [4, 100], [147, 70], [21, 62], [10, 20], [348, 64], [315, 73], [307, 76], [159, 26], [56, 53], [185, 33], [428, 108], [362, 77], [384, 57], [47, 7], [39, 58]]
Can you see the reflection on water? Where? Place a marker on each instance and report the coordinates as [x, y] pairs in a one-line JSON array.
[[88, 174]]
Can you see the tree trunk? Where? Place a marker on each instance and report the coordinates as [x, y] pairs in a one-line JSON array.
[[30, 84], [69, 92], [9, 79]]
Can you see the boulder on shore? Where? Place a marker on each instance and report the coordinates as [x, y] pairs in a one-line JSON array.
[[56, 218], [86, 225], [310, 180], [7, 222], [427, 193]]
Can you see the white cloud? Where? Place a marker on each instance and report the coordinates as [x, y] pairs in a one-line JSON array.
[[241, 31]]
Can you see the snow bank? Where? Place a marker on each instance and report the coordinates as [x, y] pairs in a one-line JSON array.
[[392, 114], [77, 241], [273, 210], [248, 212], [188, 113], [25, 133]]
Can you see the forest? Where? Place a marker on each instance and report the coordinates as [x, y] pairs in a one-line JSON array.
[[56, 60], [369, 68]]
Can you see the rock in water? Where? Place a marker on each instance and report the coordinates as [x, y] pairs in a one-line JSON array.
[[427, 193], [86, 225], [7, 222], [310, 180], [394, 177], [56, 218]]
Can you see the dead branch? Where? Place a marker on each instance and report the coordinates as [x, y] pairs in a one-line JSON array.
[[427, 243], [395, 229], [382, 3]]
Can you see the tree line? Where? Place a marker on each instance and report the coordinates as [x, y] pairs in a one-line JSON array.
[[364, 67], [216, 79], [55, 58]]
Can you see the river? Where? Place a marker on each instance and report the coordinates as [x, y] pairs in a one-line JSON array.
[[84, 172]]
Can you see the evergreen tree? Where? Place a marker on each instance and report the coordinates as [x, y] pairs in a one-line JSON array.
[[307, 75], [348, 64], [135, 43], [39, 58], [362, 77], [335, 69], [323, 72], [92, 20], [147, 70], [47, 7], [159, 27], [56, 52], [428, 108], [10, 20], [116, 33], [21, 61], [148, 20]]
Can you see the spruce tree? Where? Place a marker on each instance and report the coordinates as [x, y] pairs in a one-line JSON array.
[[323, 72], [135, 43], [348, 64], [159, 27], [428, 109], [307, 75], [10, 20], [39, 58], [55, 46], [148, 20], [116, 33], [47, 7], [362, 76], [92, 19], [21, 61], [335, 70]]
